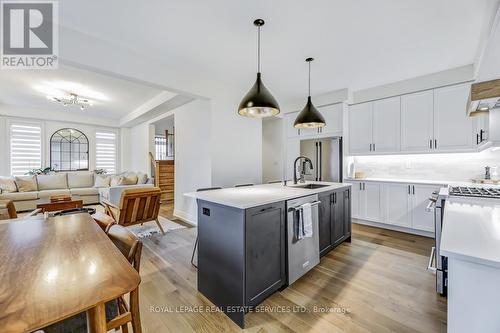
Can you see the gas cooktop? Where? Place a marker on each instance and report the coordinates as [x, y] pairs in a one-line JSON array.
[[481, 192]]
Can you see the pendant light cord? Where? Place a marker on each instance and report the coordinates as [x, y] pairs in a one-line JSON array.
[[309, 78], [258, 50]]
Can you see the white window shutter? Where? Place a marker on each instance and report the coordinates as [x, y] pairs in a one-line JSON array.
[[25, 148], [105, 151]]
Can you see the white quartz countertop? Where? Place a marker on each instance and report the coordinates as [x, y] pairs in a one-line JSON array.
[[471, 230], [252, 196]]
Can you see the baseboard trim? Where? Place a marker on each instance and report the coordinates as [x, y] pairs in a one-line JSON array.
[[394, 227], [186, 217]]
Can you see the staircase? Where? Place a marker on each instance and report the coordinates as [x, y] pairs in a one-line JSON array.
[[164, 178]]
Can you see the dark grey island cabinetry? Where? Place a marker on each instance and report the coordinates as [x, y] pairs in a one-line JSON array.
[[334, 219], [241, 255]]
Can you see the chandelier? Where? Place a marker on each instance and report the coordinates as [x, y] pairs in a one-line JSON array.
[[72, 99]]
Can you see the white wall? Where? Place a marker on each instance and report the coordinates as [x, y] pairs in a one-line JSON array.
[[446, 167], [48, 128], [141, 143], [273, 149], [166, 124], [193, 168]]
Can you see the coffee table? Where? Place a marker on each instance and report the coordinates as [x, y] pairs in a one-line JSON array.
[[47, 206]]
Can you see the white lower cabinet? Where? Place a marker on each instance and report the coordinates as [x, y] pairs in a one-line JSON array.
[[366, 201], [422, 219], [397, 204]]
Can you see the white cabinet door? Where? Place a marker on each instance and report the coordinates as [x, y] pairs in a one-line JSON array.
[[421, 219], [370, 202], [360, 128], [453, 129], [417, 121], [291, 131], [333, 119], [355, 198], [292, 152], [397, 204], [387, 125]]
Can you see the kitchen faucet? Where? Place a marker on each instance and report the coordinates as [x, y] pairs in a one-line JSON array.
[[302, 173]]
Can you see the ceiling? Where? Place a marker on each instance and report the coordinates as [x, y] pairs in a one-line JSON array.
[[357, 44], [111, 98]]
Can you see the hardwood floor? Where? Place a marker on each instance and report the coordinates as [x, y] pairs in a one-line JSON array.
[[377, 283]]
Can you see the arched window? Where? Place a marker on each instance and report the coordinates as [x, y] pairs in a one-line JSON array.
[[69, 150]]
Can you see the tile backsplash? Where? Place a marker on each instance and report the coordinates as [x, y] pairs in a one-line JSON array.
[[447, 167]]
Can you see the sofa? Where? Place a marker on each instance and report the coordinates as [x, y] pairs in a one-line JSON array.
[[92, 188]]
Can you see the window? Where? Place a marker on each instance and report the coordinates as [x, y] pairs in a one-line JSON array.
[[25, 148], [105, 151], [161, 147], [69, 150]]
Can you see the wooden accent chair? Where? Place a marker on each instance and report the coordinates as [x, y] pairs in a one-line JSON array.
[[131, 247], [137, 206]]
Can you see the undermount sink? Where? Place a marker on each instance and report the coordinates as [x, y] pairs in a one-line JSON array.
[[312, 186]]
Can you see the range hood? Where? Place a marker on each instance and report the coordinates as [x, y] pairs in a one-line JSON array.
[[483, 97]]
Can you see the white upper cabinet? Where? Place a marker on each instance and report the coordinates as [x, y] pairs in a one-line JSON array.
[[386, 125], [289, 120], [453, 129], [360, 128], [417, 124], [333, 119]]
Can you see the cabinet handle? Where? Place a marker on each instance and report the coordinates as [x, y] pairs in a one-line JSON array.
[[360, 186], [363, 186], [370, 147], [409, 190], [374, 147], [477, 138], [435, 144], [413, 189], [481, 135], [430, 143]]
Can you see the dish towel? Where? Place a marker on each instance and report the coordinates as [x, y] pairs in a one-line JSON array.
[[307, 222]]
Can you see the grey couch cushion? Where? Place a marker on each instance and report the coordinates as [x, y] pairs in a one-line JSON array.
[[84, 191], [52, 182], [48, 193], [26, 183], [19, 196], [80, 179], [7, 185]]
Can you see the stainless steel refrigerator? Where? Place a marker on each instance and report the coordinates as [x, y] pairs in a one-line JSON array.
[[326, 155]]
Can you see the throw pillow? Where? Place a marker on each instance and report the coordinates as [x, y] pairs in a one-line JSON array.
[[142, 178], [7, 185], [26, 183], [128, 180], [102, 181], [131, 178], [115, 181]]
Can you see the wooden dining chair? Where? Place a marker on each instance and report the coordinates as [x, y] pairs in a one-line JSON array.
[[196, 242], [137, 206], [131, 247]]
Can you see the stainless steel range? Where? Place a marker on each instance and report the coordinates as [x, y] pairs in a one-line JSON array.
[[438, 263]]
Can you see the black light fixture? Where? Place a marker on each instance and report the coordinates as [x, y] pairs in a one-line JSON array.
[[258, 102], [309, 117]]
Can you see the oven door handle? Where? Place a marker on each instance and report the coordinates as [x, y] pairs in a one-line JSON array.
[[431, 268]]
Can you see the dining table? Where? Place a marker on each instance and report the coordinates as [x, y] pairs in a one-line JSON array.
[[56, 267]]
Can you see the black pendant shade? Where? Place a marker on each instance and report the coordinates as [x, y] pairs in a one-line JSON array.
[[258, 102], [309, 117]]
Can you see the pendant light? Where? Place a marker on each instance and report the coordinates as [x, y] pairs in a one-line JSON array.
[[258, 102], [309, 117]]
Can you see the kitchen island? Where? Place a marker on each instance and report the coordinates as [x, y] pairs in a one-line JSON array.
[[243, 239], [471, 241]]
